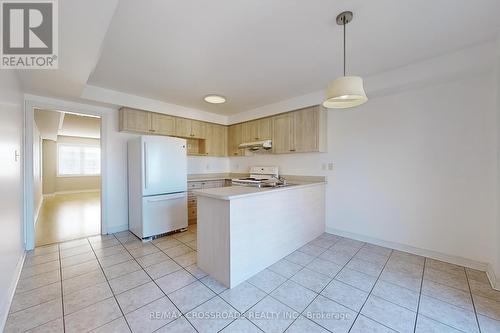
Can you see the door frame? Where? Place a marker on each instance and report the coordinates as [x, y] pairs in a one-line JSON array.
[[32, 102]]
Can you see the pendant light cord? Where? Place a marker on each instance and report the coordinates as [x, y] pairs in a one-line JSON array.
[[343, 21]]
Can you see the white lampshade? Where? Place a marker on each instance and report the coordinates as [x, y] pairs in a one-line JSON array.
[[345, 92]]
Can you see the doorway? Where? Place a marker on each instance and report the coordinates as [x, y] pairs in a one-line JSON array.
[[66, 176]]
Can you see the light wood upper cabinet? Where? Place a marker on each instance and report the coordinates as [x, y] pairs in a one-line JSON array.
[[250, 131], [235, 136], [135, 120], [198, 129], [189, 128], [306, 129], [257, 130], [216, 140], [265, 126], [183, 127], [297, 131], [283, 133], [163, 124]]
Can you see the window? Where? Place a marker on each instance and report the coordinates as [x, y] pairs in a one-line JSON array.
[[78, 160]]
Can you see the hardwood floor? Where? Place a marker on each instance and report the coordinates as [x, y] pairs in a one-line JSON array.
[[68, 216]]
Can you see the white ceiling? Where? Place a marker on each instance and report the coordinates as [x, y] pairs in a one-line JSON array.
[[253, 52], [51, 123], [81, 126], [48, 123]]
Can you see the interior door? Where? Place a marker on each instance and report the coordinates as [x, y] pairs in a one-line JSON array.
[[164, 165]]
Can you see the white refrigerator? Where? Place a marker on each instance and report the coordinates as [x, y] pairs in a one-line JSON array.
[[157, 185]]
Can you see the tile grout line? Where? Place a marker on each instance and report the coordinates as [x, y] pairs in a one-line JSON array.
[[181, 314], [112, 293], [370, 293], [62, 291], [289, 279], [343, 266], [473, 303], [62, 303], [420, 295], [266, 293], [199, 280], [444, 301]]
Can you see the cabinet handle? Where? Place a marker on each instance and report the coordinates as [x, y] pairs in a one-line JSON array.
[[292, 149], [152, 130]]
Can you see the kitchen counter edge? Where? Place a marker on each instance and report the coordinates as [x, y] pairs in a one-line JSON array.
[[238, 192]]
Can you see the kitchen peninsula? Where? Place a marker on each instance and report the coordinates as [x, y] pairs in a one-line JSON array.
[[242, 230]]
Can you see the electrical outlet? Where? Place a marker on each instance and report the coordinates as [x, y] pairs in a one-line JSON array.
[[208, 166], [330, 166], [323, 166]]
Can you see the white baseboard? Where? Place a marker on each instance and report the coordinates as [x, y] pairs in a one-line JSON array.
[[72, 192], [480, 266], [4, 313], [118, 228], [494, 280]]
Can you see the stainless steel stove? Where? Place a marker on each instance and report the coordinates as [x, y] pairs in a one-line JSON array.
[[263, 176]]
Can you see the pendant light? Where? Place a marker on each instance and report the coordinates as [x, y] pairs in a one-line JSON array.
[[345, 91]]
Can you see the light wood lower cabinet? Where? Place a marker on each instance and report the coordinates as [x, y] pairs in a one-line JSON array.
[[195, 185]]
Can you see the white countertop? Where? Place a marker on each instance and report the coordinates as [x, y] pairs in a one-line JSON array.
[[237, 192]]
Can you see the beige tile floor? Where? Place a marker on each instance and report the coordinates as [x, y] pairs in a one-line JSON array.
[[116, 283], [68, 216]]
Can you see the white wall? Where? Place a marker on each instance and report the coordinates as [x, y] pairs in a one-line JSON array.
[[51, 182], [200, 164], [11, 235], [416, 168]]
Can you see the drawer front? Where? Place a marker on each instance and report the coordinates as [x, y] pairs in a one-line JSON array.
[[194, 185], [192, 202], [213, 184]]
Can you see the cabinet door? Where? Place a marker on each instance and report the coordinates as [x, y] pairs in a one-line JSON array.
[[306, 130], [198, 129], [250, 131], [265, 127], [163, 124], [234, 139], [183, 127], [283, 133], [216, 138], [135, 120]]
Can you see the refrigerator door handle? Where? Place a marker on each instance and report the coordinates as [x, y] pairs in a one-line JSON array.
[[169, 197], [145, 165]]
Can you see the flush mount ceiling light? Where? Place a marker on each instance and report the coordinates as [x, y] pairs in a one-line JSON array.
[[215, 99], [345, 91]]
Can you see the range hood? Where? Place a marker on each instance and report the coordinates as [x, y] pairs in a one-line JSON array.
[[257, 145]]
